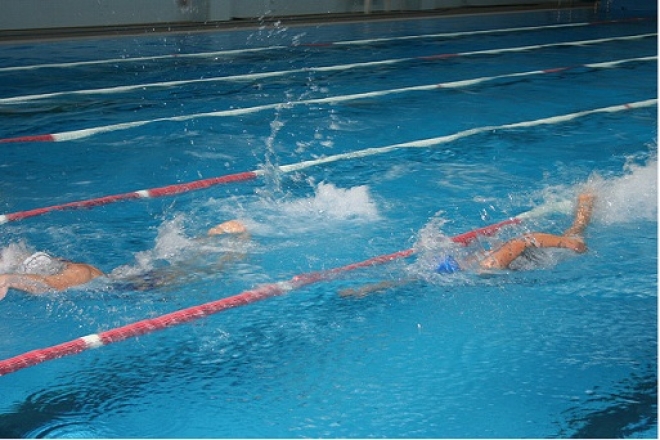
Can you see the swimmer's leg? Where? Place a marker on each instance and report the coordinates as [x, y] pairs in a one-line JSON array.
[[373, 288]]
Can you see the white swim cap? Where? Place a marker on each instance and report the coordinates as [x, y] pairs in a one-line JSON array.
[[40, 263]]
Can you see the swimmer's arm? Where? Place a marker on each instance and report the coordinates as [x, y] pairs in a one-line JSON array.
[[509, 251], [34, 284], [73, 275]]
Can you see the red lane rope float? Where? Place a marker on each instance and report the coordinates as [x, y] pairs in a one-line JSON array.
[[216, 54], [33, 138], [250, 175], [92, 131], [182, 316], [163, 191]]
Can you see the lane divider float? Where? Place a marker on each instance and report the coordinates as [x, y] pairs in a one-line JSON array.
[[88, 132], [259, 293], [333, 68], [169, 190], [232, 52], [175, 189]]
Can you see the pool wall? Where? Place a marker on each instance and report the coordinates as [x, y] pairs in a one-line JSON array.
[[24, 15]]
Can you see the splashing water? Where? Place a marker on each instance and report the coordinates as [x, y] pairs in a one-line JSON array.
[[630, 197], [329, 206], [432, 247], [174, 247], [13, 255], [330, 202], [272, 174]]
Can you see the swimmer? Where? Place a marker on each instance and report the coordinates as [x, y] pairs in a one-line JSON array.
[[505, 255], [183, 270], [41, 273]]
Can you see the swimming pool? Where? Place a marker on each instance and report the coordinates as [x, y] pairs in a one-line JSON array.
[[381, 160]]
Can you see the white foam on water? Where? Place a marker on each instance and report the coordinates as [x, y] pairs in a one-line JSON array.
[[630, 197], [433, 246], [12, 255], [332, 203], [329, 207]]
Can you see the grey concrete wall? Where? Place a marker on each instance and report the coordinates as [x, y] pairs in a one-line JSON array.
[[34, 14], [48, 14]]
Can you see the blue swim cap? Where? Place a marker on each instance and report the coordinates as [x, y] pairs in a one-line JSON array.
[[448, 265]]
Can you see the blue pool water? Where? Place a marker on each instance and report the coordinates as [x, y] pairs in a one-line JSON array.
[[564, 349]]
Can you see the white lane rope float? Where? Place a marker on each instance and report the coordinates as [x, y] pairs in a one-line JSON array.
[[234, 52], [175, 189], [331, 100], [259, 293], [334, 68]]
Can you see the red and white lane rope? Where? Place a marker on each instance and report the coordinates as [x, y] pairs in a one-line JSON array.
[[162, 191], [88, 132], [334, 68], [182, 316], [233, 52], [251, 175], [480, 32]]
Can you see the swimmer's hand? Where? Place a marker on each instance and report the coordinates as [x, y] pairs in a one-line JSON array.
[[575, 244]]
